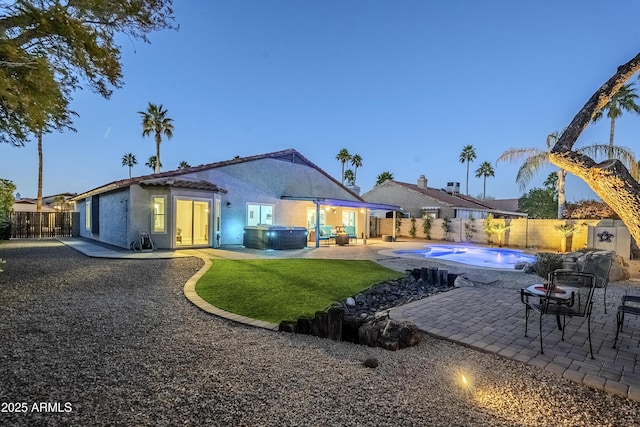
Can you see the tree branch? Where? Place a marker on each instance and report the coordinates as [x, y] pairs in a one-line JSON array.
[[594, 104]]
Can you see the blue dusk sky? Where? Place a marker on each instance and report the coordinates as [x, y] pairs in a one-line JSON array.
[[404, 84]]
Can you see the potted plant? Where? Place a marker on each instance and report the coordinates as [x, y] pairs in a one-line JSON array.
[[545, 264]]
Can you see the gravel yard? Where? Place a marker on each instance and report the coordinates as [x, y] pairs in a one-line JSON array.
[[108, 342]]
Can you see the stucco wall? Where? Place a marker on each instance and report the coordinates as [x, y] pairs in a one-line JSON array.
[[113, 215], [113, 209], [265, 181]]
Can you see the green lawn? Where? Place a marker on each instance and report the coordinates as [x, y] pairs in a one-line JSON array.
[[285, 289]]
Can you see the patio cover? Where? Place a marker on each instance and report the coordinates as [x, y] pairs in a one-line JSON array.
[[323, 201]]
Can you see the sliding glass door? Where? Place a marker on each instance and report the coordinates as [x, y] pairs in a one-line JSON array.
[[192, 222]]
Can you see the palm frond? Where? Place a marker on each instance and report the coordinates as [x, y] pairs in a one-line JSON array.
[[516, 154], [530, 167]]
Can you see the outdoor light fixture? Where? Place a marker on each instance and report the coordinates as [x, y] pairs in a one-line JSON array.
[[464, 380]]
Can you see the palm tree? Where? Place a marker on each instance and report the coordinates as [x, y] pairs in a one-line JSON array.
[[484, 171], [152, 163], [129, 159], [383, 177], [356, 162], [535, 159], [183, 165], [155, 121], [350, 177], [467, 155], [623, 100], [343, 157]]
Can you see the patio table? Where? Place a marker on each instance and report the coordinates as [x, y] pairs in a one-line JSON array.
[[562, 295]]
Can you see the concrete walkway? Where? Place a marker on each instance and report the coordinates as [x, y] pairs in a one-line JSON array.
[[489, 318]]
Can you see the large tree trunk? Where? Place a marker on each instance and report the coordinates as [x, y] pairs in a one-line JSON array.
[[609, 179]]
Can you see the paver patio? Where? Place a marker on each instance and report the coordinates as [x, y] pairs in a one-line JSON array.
[[491, 319]]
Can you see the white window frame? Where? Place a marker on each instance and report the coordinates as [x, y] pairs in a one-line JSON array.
[[87, 213], [261, 205], [154, 214]]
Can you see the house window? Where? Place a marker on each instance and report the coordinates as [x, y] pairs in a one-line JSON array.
[[349, 218], [87, 214], [259, 214], [430, 212], [311, 218], [159, 214]]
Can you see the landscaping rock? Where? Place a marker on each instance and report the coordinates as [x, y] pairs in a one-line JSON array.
[[363, 318], [396, 335], [371, 362], [286, 326], [463, 282], [619, 270]]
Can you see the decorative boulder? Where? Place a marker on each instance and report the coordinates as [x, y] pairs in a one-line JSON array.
[[619, 270], [463, 282], [396, 335]]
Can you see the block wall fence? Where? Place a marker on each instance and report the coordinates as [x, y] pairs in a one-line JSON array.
[[538, 234]]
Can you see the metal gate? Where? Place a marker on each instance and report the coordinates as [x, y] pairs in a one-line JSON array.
[[29, 225]]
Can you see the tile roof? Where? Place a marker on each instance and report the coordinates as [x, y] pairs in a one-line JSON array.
[[174, 183], [454, 200]]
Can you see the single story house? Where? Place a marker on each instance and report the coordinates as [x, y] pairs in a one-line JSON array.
[[54, 203], [418, 200], [212, 205]]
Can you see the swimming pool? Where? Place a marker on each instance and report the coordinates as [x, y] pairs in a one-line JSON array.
[[477, 256]]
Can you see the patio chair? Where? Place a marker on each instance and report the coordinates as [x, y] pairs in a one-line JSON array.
[[599, 264], [630, 305], [569, 293], [351, 232]]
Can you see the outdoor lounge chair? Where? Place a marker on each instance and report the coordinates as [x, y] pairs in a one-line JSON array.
[[569, 293], [326, 233], [630, 305], [351, 232]]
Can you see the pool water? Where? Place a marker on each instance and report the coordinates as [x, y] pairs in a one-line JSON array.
[[477, 256]]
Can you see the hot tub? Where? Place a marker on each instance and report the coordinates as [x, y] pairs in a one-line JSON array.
[[274, 237]]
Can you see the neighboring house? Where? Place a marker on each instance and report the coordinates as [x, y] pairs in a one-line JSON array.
[[210, 205], [54, 203], [29, 205], [418, 200], [504, 205]]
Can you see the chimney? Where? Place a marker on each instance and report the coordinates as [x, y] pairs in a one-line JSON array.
[[422, 181]]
